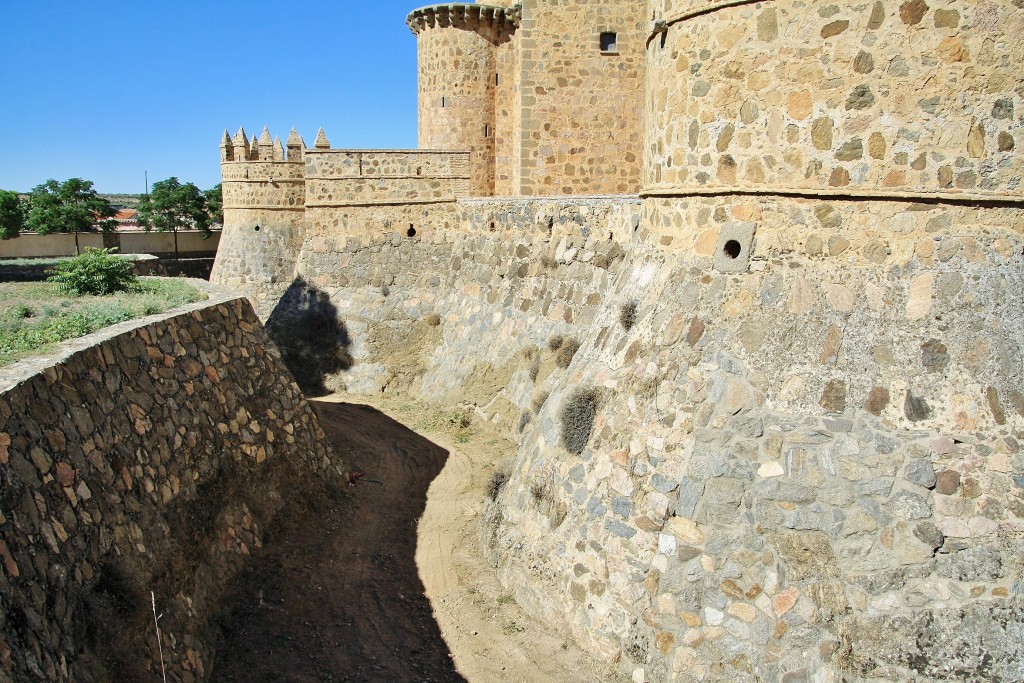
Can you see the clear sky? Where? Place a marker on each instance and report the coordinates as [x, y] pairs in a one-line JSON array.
[[109, 89]]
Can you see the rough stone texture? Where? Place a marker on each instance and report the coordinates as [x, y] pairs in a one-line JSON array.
[[864, 68], [150, 458], [755, 499]]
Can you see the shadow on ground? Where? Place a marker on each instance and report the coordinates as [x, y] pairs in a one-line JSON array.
[[313, 342], [335, 594]]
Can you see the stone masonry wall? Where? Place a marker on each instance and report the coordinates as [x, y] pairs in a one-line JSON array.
[[582, 110], [805, 460], [877, 98], [149, 457], [457, 93]]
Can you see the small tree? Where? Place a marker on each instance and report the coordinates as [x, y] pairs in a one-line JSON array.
[[72, 206], [215, 203], [12, 215], [173, 206]]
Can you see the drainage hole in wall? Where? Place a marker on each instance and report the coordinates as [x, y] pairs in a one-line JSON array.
[[411, 232], [732, 249], [257, 228], [492, 226]]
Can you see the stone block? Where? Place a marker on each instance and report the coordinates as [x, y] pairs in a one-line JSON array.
[[733, 250]]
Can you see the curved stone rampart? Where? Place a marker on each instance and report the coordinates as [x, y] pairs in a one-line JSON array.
[[883, 98], [147, 457]]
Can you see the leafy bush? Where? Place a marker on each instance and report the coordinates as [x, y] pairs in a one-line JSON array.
[[97, 271], [565, 353], [577, 418], [627, 315]]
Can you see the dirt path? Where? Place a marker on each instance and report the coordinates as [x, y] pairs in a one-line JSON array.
[[344, 590]]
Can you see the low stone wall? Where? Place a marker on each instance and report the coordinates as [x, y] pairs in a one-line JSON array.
[[148, 457]]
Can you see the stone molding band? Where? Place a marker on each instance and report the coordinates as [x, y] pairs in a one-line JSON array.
[[854, 195], [394, 202]]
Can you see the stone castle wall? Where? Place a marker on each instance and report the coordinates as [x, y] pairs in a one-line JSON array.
[[150, 457], [458, 81], [807, 466], [581, 124], [879, 98], [805, 457]]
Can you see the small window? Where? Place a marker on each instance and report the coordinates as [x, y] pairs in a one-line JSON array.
[[444, 102], [495, 79], [411, 232], [487, 131], [609, 43]]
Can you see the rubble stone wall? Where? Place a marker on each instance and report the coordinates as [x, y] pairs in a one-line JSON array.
[[147, 457]]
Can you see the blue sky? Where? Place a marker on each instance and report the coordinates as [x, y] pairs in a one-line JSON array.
[[107, 90]]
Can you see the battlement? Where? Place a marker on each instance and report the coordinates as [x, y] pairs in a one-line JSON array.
[[265, 148], [490, 21]]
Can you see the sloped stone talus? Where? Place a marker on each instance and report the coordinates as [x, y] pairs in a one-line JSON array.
[[804, 465], [150, 459]]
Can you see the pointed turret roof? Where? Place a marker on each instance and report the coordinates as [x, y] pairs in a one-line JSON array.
[[265, 138], [321, 140]]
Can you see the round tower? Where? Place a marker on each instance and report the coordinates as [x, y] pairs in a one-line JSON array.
[[457, 80], [264, 196]]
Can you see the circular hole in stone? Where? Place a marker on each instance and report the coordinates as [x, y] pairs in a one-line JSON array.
[[257, 228], [411, 232], [732, 249]]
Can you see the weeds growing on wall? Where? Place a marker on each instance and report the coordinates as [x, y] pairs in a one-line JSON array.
[[577, 418], [555, 342], [524, 419], [539, 400], [498, 480], [627, 314], [433, 320], [568, 349]]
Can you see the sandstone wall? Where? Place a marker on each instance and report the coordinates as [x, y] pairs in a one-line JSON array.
[[582, 110], [805, 460], [457, 84], [264, 227], [881, 98], [149, 457]]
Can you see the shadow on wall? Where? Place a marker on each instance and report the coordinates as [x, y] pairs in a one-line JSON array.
[[313, 342]]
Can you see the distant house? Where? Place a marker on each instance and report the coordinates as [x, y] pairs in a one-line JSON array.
[[127, 219]]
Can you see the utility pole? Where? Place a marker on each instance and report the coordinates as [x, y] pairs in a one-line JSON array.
[[147, 180]]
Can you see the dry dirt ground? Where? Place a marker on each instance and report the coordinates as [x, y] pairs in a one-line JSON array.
[[385, 581]]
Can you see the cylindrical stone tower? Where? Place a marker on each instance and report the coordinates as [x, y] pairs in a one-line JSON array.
[[457, 81]]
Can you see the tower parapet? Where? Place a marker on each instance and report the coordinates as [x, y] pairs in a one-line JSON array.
[[264, 190], [458, 71]]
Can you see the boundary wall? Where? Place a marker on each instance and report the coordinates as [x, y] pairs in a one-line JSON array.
[[190, 244], [147, 457]]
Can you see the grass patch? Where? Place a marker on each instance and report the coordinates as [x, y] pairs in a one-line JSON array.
[[627, 315], [36, 316]]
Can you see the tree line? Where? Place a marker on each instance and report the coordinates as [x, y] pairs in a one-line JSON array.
[[74, 206]]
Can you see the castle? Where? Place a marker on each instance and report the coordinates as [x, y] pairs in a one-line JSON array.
[[804, 458]]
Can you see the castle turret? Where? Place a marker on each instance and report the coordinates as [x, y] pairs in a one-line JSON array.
[[264, 194], [457, 80]]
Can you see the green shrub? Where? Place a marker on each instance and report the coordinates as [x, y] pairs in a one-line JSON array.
[[97, 271], [577, 418]]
